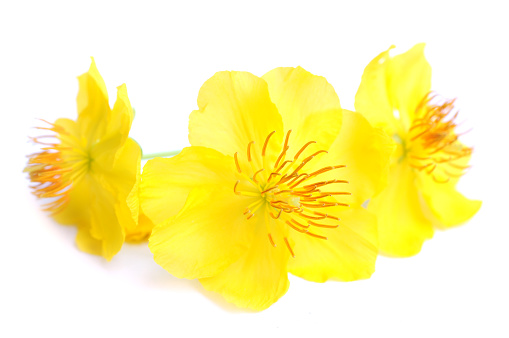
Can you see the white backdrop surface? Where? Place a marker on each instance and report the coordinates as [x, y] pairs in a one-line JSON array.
[[164, 51]]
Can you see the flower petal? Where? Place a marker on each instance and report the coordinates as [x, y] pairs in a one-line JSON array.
[[366, 153], [402, 225], [348, 254], [93, 106], [410, 82], [308, 105], [258, 278], [235, 109], [94, 209], [124, 180], [166, 182], [207, 235], [115, 131], [448, 206], [373, 99]]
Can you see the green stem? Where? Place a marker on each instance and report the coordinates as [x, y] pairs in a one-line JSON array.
[[162, 154]]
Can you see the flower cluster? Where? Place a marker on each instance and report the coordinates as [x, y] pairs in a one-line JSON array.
[[276, 180]]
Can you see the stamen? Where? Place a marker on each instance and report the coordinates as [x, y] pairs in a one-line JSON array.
[[432, 169], [296, 177], [420, 167], [439, 181], [244, 193], [312, 217], [307, 159], [271, 240], [237, 163], [300, 181], [272, 175], [287, 138], [274, 187], [326, 169], [289, 247], [302, 149], [461, 167], [283, 153], [295, 228], [323, 225], [326, 215], [282, 165], [256, 173], [320, 184], [298, 224], [266, 142], [249, 150], [276, 217], [315, 235], [453, 175], [282, 192]]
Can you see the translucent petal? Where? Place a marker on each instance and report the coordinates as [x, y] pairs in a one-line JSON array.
[[207, 235], [402, 225], [348, 254]]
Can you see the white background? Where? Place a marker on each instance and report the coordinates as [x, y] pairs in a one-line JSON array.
[[457, 285]]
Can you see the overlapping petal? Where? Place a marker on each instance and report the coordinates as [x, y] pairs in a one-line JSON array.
[[234, 109], [166, 182], [308, 105], [373, 96], [402, 224], [93, 106], [258, 278], [410, 82], [366, 153], [448, 206], [348, 254], [207, 235]]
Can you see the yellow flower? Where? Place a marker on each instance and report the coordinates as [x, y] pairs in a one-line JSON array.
[[395, 94], [90, 171], [249, 202]]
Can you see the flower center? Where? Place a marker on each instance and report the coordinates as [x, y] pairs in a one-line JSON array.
[[53, 169], [293, 197], [433, 145]]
